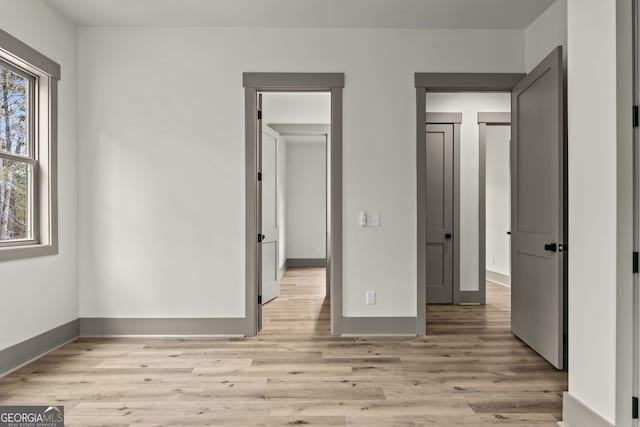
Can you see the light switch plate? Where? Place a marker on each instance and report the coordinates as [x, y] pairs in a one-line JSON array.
[[371, 297], [373, 219]]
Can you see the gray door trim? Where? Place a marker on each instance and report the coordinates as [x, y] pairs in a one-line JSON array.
[[442, 82], [465, 82], [280, 82], [484, 120], [494, 118], [258, 82], [628, 177], [443, 118]]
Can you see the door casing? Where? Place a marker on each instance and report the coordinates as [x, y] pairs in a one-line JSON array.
[[635, 368], [293, 82], [442, 82]]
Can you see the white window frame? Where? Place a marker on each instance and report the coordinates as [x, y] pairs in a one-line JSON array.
[[43, 75]]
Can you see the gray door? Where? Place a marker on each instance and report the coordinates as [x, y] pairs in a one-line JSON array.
[[537, 209], [270, 282], [439, 211], [259, 216]]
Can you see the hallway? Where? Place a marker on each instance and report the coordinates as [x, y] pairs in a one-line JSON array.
[[301, 308]]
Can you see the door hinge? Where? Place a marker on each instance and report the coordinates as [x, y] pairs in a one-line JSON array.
[[259, 176], [259, 114], [636, 116], [260, 238], [259, 299], [634, 408], [636, 262]]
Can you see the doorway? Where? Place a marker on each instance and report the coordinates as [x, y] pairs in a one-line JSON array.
[[538, 197], [256, 84], [494, 213]]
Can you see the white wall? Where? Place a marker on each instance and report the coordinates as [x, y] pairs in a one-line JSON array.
[[544, 34], [592, 203], [498, 199], [469, 104], [39, 294], [134, 262], [306, 197], [296, 107]]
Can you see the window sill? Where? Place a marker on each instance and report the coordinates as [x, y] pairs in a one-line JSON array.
[[9, 253]]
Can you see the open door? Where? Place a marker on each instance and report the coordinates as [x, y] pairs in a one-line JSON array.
[[259, 216], [537, 209], [270, 279]]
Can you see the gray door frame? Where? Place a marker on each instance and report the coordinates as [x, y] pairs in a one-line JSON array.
[[442, 82], [484, 120], [621, 373], [455, 120], [293, 82]]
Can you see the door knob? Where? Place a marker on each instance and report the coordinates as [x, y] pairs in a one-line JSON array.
[[509, 233], [551, 247], [447, 236]]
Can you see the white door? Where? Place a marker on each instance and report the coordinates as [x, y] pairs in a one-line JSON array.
[[537, 203], [270, 282]]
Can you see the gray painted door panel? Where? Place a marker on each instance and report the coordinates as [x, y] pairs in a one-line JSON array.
[[538, 208], [439, 211], [270, 282]]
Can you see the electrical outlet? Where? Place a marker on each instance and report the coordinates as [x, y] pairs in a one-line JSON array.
[[371, 297]]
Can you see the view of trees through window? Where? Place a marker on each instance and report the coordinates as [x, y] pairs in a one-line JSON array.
[[14, 144]]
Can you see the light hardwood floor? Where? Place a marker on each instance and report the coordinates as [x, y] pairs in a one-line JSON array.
[[468, 371]]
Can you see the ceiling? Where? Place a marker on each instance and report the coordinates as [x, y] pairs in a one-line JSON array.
[[408, 14]]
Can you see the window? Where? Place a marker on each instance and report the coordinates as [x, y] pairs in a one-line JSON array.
[[17, 157], [28, 114]]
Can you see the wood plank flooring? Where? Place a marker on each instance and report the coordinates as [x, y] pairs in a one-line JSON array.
[[468, 371]]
